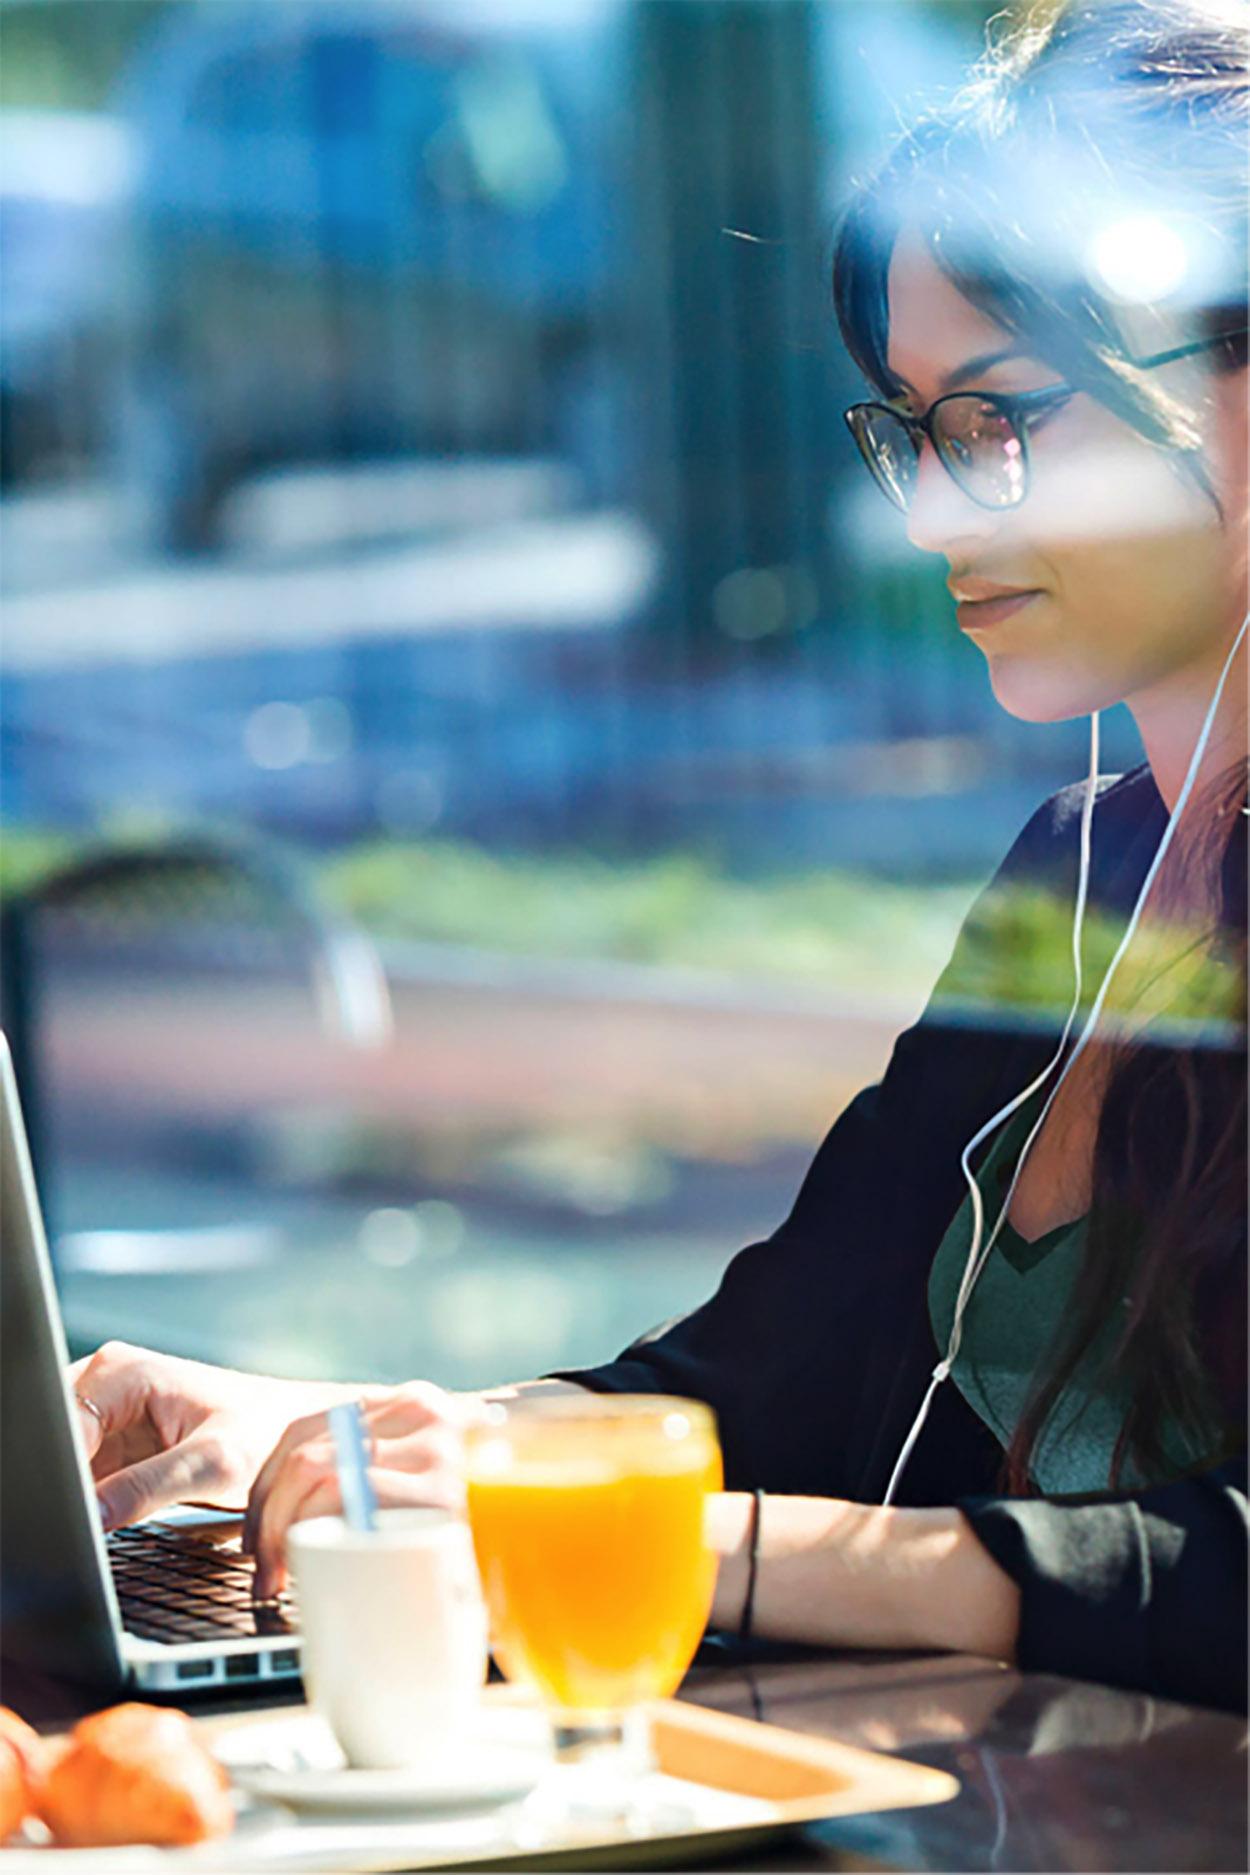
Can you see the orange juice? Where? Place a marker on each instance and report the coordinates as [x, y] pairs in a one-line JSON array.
[[591, 1546]]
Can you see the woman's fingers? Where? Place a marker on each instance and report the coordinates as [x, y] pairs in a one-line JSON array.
[[393, 1490], [324, 1499], [432, 1455], [423, 1468], [112, 1388], [91, 1426], [309, 1478], [435, 1455], [304, 1468], [203, 1468], [389, 1412], [298, 1433]]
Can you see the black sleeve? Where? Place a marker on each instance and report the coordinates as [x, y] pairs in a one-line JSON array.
[[815, 1349], [1147, 1592]]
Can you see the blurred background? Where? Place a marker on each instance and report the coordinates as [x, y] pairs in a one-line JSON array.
[[484, 778]]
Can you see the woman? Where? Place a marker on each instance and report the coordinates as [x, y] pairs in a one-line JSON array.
[[1073, 1493]]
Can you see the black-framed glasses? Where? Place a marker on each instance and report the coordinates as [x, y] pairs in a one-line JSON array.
[[981, 438]]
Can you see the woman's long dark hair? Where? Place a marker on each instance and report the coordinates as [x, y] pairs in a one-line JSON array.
[[1090, 110], [1165, 1251]]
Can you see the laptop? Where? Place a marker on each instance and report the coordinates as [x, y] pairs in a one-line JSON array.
[[164, 1606]]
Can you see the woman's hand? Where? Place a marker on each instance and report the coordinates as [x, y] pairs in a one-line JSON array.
[[416, 1457], [160, 1430]]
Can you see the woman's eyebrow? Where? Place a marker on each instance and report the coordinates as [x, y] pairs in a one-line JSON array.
[[971, 368]]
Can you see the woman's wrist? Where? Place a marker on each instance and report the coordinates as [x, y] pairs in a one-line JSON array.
[[861, 1575], [729, 1518]]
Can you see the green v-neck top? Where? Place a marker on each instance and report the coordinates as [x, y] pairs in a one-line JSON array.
[[1011, 1322]]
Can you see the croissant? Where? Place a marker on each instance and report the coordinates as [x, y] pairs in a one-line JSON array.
[[14, 1795], [135, 1774], [21, 1763]]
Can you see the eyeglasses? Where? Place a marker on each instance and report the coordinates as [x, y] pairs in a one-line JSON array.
[[981, 438]]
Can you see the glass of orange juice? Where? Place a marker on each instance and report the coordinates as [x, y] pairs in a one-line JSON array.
[[588, 1524]]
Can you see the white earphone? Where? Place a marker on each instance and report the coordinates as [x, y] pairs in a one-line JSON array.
[[976, 1255]]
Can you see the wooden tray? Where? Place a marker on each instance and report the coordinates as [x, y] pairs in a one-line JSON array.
[[746, 1783]]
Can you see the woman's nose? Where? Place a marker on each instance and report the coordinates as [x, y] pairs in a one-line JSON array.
[[940, 514]]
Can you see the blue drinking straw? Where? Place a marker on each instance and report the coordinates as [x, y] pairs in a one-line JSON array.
[[360, 1506]]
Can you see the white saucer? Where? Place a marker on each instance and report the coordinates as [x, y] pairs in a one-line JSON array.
[[297, 1761]]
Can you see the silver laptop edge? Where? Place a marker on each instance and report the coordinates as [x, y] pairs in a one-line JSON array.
[[58, 1606]]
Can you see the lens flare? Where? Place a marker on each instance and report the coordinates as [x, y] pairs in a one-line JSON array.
[[1140, 259]]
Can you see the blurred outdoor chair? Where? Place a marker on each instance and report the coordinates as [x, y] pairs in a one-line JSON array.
[[208, 903]]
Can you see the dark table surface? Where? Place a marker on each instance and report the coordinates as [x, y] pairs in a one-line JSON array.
[[1054, 1774]]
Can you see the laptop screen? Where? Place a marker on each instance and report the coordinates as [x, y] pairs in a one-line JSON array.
[[58, 1612]]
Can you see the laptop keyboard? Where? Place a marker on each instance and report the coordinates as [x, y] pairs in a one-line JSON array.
[[173, 1586]]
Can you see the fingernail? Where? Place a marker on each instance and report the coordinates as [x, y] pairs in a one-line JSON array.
[[107, 1520]]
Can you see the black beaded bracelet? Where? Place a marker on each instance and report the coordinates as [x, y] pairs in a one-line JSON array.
[[753, 1565]]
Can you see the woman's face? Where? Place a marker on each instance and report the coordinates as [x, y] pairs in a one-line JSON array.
[[1136, 581]]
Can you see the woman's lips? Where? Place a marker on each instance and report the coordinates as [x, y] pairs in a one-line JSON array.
[[976, 614]]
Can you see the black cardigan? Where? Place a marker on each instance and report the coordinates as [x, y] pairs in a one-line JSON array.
[[816, 1348]]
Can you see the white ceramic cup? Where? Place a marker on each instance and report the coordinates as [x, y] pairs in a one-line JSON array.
[[394, 1632]]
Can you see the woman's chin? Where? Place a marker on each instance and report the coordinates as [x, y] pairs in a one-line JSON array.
[[1034, 696]]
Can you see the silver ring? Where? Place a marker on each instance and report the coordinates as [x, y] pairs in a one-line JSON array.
[[92, 1408]]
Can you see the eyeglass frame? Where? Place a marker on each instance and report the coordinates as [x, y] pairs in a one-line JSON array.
[[1020, 408]]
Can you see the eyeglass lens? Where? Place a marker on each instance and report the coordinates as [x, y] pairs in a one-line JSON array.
[[890, 453], [976, 441]]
